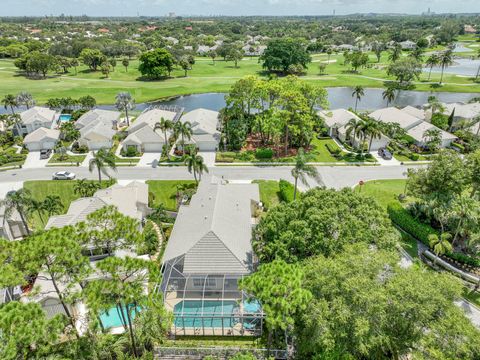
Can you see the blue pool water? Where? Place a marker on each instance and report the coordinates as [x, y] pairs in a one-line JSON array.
[[112, 317], [192, 312], [65, 117]]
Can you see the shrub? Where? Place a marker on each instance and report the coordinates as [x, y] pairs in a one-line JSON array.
[[77, 148], [334, 150], [227, 157], [458, 147], [265, 153], [286, 190], [404, 220], [131, 151], [414, 156], [150, 240]]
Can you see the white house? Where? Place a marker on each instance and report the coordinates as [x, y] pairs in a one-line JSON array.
[[421, 114], [205, 128], [418, 133], [11, 226], [408, 45], [141, 133], [467, 113], [41, 139], [35, 118], [97, 128]]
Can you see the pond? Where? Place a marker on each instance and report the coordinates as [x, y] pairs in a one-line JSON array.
[[464, 67], [459, 48], [339, 97]]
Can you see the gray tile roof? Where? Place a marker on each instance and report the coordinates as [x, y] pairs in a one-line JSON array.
[[214, 231], [42, 134], [38, 113], [96, 116]]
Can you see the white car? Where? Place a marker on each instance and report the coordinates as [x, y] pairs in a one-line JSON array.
[[63, 175]]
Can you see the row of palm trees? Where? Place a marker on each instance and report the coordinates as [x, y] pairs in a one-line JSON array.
[[11, 102], [25, 205], [443, 59], [389, 94]]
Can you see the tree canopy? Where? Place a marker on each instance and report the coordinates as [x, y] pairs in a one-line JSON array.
[[281, 53], [156, 63]]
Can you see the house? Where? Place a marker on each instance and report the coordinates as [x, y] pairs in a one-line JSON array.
[[254, 50], [421, 114], [469, 29], [336, 122], [208, 252], [11, 226], [141, 133], [131, 200], [35, 118], [418, 133], [463, 113], [408, 45], [41, 139], [394, 115], [205, 129], [97, 128]]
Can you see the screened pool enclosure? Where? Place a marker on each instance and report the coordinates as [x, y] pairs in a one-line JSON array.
[[209, 304]]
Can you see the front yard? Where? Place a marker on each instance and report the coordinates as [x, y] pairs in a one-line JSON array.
[[67, 159], [324, 150], [165, 192]]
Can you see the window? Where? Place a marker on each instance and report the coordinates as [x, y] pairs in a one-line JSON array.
[[198, 282]]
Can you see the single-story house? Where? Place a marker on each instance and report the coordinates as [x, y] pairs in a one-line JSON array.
[[97, 128], [141, 133], [35, 118], [408, 45], [41, 139], [205, 129], [394, 115], [463, 113], [336, 122], [418, 133], [421, 114], [208, 252]]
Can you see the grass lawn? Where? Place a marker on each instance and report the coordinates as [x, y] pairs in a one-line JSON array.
[[472, 296], [269, 192], [204, 77], [231, 341], [129, 161], [384, 191], [68, 159], [64, 189], [165, 191]]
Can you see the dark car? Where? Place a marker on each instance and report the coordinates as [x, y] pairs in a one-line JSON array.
[[385, 154], [45, 154]]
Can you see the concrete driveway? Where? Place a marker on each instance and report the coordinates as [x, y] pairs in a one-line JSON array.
[[33, 160], [149, 159], [383, 162], [208, 157]]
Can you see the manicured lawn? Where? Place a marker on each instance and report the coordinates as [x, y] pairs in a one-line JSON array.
[[472, 296], [165, 191], [129, 161], [56, 158], [64, 189], [384, 191], [269, 192], [204, 77]]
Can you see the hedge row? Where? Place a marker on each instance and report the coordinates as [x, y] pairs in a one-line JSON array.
[[333, 149], [404, 220], [264, 153], [286, 191]]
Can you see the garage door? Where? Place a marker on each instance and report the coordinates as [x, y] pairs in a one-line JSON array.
[[48, 145], [207, 146], [153, 147]]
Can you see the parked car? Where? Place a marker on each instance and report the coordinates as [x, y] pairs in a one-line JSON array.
[[45, 154], [63, 175], [385, 154]]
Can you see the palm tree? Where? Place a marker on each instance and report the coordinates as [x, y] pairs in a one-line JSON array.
[[196, 165], [353, 127], [440, 245], [184, 129], [358, 92], [20, 201], [372, 129], [125, 102], [445, 60], [52, 204], [102, 159], [10, 101], [302, 169], [36, 206], [25, 98], [164, 125], [464, 209], [389, 94], [432, 61]]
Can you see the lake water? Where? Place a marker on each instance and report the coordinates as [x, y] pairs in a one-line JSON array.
[[465, 67], [338, 98]]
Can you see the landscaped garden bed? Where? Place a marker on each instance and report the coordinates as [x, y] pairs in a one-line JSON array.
[[73, 160]]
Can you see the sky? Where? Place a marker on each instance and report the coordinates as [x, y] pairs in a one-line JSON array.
[[229, 7]]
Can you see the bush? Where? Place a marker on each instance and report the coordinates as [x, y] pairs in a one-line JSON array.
[[334, 150], [458, 147], [80, 149], [265, 153], [286, 191], [227, 157], [404, 220], [130, 152], [414, 156], [150, 240]]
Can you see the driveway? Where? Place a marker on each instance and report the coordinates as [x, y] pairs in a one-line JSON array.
[[33, 160], [208, 157], [87, 159], [383, 162], [9, 186], [149, 159]]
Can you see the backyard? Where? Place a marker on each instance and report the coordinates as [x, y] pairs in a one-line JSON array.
[[164, 191]]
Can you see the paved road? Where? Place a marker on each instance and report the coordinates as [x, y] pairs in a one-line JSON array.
[[332, 177]]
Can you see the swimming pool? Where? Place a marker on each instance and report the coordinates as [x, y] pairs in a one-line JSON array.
[[112, 317], [65, 117], [213, 314]]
